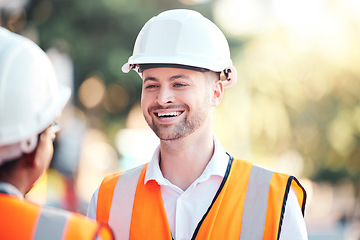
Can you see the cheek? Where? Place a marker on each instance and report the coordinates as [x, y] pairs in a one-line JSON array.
[[144, 98], [147, 99], [144, 104], [197, 99]]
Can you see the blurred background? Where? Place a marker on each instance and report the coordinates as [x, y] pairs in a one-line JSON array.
[[295, 109]]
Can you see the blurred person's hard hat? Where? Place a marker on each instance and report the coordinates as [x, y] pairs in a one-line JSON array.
[[30, 97], [183, 37]]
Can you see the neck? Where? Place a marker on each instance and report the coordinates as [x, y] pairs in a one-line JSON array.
[[15, 181], [20, 175], [183, 160]]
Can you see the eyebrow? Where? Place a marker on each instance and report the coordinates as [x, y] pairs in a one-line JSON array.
[[179, 76], [172, 78], [150, 79]]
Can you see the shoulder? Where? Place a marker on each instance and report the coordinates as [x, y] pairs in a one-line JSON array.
[[78, 226], [130, 173], [122, 181], [279, 184], [57, 215], [240, 165], [257, 169], [259, 177]]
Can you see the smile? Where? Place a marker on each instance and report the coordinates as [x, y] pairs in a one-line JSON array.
[[168, 115]]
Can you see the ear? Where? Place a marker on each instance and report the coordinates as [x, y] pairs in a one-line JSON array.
[[30, 157], [218, 93]]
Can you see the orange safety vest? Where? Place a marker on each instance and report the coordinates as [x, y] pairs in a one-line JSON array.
[[22, 219], [237, 211]]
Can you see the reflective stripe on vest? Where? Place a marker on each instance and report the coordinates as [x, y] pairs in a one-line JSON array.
[[255, 204], [250, 205], [121, 190], [21, 219], [51, 223]]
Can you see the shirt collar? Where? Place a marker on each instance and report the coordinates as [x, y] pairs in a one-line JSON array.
[[217, 166], [10, 189]]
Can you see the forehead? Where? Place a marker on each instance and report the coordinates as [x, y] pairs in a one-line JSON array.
[[166, 73]]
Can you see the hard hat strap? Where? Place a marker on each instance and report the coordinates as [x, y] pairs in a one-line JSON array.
[[225, 75]]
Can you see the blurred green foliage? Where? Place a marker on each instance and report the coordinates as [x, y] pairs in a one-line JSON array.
[[99, 37]]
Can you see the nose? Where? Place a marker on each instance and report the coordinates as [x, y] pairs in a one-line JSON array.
[[165, 96]]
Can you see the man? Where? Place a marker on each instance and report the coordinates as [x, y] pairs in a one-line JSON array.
[[30, 99], [191, 188]]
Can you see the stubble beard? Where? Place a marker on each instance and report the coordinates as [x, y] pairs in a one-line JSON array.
[[183, 129]]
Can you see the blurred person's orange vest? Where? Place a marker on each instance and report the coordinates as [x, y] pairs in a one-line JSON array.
[[22, 219]]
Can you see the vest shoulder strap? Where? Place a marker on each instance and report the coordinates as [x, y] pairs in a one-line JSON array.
[[105, 196], [118, 188], [148, 216]]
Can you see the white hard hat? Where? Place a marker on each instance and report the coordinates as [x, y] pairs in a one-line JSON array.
[[30, 97], [183, 37]]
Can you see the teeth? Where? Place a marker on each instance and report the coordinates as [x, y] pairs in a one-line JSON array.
[[170, 114]]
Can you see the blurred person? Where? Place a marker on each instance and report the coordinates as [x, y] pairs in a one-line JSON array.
[[192, 188], [30, 100]]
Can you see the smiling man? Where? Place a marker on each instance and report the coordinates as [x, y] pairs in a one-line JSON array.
[[192, 188]]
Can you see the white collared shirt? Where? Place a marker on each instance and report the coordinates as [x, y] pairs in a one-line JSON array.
[[10, 189]]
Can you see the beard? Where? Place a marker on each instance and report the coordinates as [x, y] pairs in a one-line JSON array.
[[187, 125]]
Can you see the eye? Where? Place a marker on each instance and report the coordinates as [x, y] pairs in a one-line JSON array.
[[150, 86], [180, 85]]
